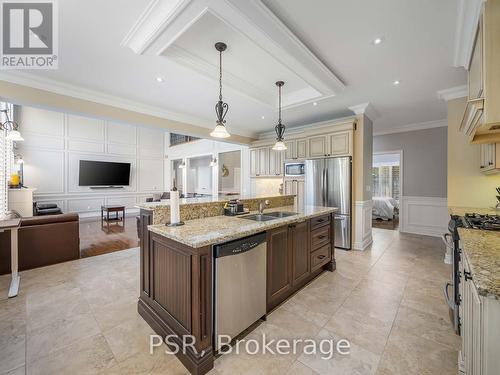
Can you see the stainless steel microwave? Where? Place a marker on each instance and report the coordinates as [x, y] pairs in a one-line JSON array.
[[294, 169]]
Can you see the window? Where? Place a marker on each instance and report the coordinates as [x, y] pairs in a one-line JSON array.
[[178, 139], [386, 181]]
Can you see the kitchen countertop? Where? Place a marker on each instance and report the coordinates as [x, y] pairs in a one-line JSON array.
[[218, 229], [461, 211], [203, 200], [482, 249]]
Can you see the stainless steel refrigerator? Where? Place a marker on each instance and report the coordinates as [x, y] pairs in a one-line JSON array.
[[328, 183]]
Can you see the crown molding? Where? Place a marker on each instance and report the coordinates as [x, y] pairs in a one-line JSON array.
[[412, 127], [452, 93], [164, 21], [366, 109], [468, 15], [30, 80]]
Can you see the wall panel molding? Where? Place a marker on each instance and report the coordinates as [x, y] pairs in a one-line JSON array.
[[424, 215], [55, 142], [363, 222]]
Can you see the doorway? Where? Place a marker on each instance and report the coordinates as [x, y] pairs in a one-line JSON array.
[[387, 189]]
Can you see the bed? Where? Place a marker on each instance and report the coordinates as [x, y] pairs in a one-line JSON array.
[[385, 208]]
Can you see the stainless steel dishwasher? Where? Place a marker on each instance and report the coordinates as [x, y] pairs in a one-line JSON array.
[[240, 285]]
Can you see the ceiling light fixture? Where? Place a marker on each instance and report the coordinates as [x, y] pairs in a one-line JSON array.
[[280, 128], [396, 82], [221, 108], [378, 40], [160, 79], [12, 128], [262, 117], [315, 104]]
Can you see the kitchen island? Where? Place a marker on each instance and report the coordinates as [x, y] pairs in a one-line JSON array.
[[177, 279]]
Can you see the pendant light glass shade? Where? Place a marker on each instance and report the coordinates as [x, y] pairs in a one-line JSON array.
[[279, 146], [220, 131], [15, 136], [280, 128], [221, 108]]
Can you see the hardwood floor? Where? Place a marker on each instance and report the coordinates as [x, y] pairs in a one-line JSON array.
[[95, 240], [386, 224]]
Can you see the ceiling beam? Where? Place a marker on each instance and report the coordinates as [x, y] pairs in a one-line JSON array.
[[29, 96]]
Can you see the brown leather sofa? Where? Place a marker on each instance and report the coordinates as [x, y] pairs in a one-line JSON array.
[[43, 240]]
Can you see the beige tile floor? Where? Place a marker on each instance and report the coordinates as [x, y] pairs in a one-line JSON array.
[[80, 317]]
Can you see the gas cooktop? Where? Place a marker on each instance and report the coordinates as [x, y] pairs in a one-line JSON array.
[[484, 222]]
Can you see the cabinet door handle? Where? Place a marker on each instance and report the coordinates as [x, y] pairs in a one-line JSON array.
[[321, 256], [322, 236], [467, 276], [320, 220]]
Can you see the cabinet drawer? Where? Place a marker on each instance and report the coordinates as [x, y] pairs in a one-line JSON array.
[[320, 237], [320, 257], [319, 221]]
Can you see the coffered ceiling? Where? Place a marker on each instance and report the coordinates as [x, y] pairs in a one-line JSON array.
[[322, 49]]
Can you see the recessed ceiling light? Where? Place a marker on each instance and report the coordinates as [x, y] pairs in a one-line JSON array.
[[262, 117], [396, 82], [315, 104], [160, 79], [378, 40]]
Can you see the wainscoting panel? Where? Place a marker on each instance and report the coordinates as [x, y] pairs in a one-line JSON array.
[[44, 170], [56, 142], [41, 122], [363, 225], [424, 215], [121, 133], [85, 128]]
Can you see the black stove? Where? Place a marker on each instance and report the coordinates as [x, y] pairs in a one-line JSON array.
[[483, 222]]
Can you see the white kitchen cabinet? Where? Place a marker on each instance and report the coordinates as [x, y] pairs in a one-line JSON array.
[[254, 162], [480, 327], [340, 143], [318, 146], [290, 152], [297, 188], [276, 163], [263, 161], [489, 158], [301, 147]]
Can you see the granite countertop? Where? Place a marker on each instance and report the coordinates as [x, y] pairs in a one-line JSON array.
[[482, 249], [461, 211], [203, 200], [218, 229]]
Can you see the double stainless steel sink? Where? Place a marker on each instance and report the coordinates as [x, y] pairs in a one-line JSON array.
[[268, 216]]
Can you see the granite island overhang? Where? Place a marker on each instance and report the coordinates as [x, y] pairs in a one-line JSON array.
[[176, 292]]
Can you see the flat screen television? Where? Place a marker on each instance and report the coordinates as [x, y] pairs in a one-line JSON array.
[[103, 173]]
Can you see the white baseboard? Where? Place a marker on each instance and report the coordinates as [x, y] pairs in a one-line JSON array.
[[362, 224], [424, 215]]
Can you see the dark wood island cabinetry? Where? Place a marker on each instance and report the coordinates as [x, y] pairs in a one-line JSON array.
[[177, 280]]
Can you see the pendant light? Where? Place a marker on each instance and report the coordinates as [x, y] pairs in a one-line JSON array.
[[12, 128], [221, 108], [280, 128]]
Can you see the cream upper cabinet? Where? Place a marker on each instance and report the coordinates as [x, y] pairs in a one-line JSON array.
[[263, 161], [489, 156], [301, 147], [476, 66], [340, 143], [318, 146], [296, 149], [276, 162], [254, 162], [290, 152], [481, 119]]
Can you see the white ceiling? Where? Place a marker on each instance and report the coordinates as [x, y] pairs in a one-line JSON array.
[[417, 50]]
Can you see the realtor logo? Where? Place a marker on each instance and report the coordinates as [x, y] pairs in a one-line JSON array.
[[29, 34]]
